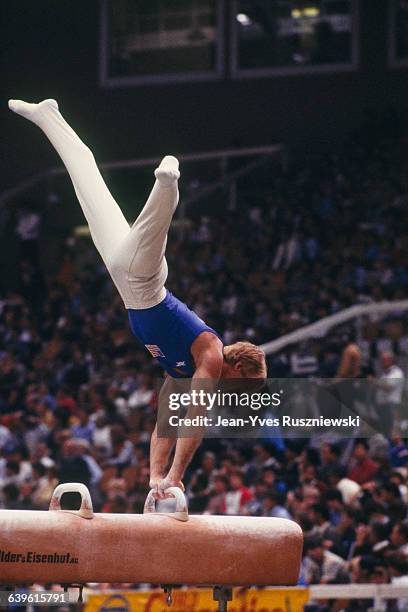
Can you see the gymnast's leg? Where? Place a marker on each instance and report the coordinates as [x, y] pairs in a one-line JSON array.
[[141, 255], [106, 222], [134, 256]]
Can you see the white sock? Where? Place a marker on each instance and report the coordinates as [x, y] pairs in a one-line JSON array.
[[33, 112], [168, 171]]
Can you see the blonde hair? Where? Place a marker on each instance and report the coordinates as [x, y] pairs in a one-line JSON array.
[[251, 358]]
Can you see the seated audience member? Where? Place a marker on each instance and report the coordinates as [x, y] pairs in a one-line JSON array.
[[363, 468], [399, 537], [272, 505], [216, 503], [320, 566], [238, 496]]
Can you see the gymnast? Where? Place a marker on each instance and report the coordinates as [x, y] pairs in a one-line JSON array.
[[135, 257]]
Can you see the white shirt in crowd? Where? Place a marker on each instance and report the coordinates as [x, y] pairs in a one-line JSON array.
[[394, 379], [349, 490]]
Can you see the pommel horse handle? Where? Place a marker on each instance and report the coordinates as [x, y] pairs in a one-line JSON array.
[[181, 513], [86, 509]]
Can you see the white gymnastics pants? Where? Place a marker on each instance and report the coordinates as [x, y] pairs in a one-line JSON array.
[[134, 256]]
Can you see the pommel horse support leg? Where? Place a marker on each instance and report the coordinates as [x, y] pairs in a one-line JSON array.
[[79, 546]]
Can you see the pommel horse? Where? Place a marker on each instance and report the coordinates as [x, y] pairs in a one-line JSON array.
[[73, 547]]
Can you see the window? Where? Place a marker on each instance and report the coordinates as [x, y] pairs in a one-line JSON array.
[[151, 41], [287, 36], [398, 42]]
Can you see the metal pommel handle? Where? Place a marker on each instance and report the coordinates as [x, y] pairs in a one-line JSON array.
[[181, 512], [86, 509]]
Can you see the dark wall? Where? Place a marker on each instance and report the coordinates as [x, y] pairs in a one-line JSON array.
[[49, 48]]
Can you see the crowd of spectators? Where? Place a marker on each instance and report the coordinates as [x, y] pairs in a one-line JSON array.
[[78, 394]]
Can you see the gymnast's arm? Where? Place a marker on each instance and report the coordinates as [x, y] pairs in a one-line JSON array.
[[207, 351], [160, 447], [350, 362]]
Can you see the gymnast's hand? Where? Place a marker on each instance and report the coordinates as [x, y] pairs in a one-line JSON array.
[[160, 485]]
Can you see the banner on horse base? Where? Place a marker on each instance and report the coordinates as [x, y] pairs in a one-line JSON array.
[[199, 600]]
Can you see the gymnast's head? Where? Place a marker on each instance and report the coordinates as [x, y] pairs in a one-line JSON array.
[[244, 360]]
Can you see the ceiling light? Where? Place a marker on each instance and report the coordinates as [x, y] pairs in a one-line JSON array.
[[243, 19], [311, 11]]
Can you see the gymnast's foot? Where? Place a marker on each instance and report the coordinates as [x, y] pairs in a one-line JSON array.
[[33, 112], [168, 172]]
